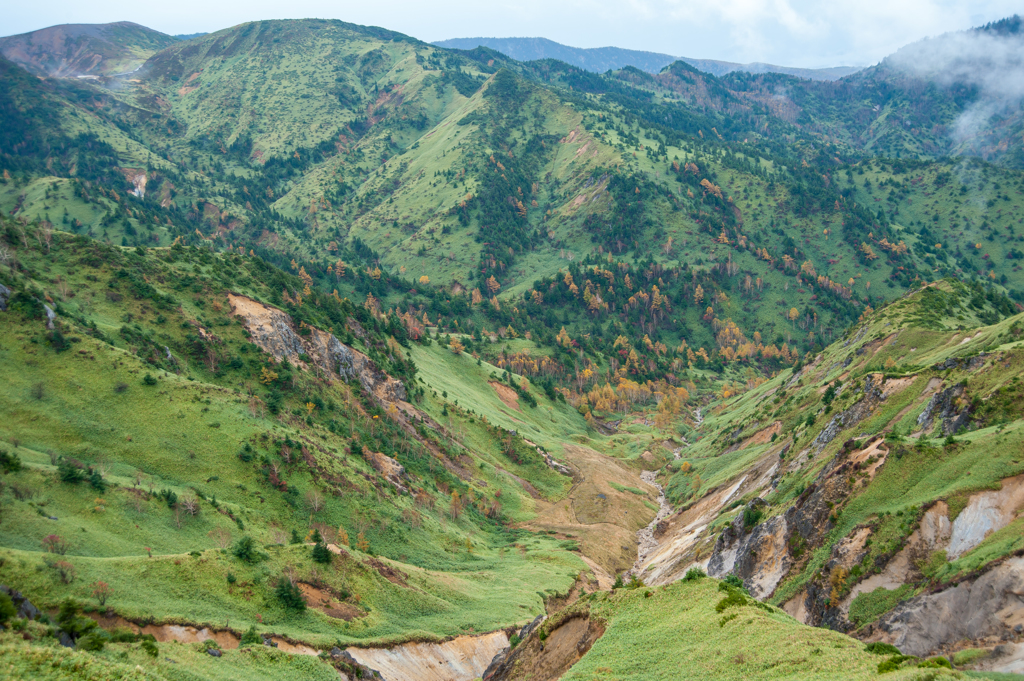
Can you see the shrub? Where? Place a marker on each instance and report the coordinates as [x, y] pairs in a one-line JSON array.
[[751, 517], [893, 663], [148, 380], [290, 595], [150, 647], [69, 472], [514, 640], [694, 574], [169, 496], [880, 648], [54, 543], [9, 463], [70, 621], [231, 578], [936, 663], [245, 550], [101, 590], [66, 571], [321, 553], [734, 598], [37, 391], [7, 609], [734, 581], [250, 637], [96, 480], [93, 641]]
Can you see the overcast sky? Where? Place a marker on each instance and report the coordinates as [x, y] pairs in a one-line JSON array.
[[808, 33]]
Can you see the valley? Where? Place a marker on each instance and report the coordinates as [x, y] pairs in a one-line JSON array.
[[329, 353]]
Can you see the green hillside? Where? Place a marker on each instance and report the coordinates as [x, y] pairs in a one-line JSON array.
[[324, 349]]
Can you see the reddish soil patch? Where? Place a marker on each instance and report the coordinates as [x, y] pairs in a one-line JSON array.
[[328, 603], [389, 573], [506, 395]]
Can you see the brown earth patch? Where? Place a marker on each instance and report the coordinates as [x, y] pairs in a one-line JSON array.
[[169, 632], [603, 519], [506, 395], [328, 603], [389, 573]]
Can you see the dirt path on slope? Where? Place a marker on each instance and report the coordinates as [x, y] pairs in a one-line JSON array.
[[603, 519]]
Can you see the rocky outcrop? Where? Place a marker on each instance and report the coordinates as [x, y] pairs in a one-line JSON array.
[[758, 556], [761, 553], [392, 471], [950, 406], [499, 660], [5, 295], [274, 332], [986, 512], [25, 609], [874, 392], [967, 363], [990, 607]]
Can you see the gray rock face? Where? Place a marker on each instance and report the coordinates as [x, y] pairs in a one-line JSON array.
[[5, 295], [950, 407], [873, 394], [988, 607], [342, 359], [273, 331], [758, 556], [761, 556], [276, 336], [25, 608]]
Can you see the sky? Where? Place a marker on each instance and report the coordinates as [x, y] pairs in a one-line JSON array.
[[804, 33]]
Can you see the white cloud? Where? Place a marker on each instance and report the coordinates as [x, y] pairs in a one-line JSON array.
[[792, 32]]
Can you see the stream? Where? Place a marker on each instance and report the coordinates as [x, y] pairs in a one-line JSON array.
[[646, 543]]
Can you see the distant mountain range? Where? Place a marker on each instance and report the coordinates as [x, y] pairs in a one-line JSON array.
[[601, 59]]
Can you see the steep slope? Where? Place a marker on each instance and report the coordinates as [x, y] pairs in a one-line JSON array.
[[860, 481], [184, 441], [84, 50]]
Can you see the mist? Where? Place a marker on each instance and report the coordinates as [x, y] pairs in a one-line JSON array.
[[989, 62]]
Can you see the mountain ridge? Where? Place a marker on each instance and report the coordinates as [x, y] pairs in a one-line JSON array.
[[601, 59]]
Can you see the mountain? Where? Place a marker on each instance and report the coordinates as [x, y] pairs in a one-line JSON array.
[[325, 349], [314, 140], [84, 49], [596, 59], [601, 59]]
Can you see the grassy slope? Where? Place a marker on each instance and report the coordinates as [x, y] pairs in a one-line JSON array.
[[675, 632], [185, 433]]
